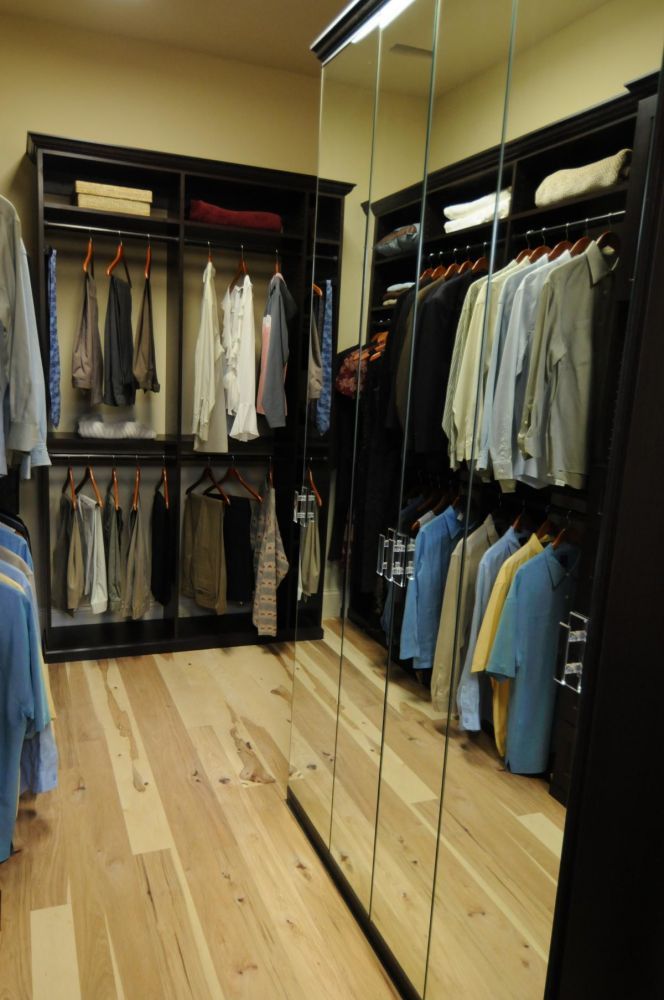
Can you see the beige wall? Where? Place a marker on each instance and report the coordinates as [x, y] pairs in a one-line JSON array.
[[587, 62]]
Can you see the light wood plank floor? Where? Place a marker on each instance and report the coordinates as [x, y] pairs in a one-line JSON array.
[[166, 864]]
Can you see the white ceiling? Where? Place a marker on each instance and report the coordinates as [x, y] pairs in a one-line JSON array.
[[473, 33], [276, 34]]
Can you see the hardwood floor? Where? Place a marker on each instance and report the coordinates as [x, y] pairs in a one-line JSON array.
[[501, 834], [166, 864]]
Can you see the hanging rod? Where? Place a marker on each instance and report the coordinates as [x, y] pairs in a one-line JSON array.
[[111, 232], [572, 225], [110, 458], [463, 246], [233, 245]]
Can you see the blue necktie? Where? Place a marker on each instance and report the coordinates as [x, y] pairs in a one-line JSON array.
[[54, 349], [325, 401]]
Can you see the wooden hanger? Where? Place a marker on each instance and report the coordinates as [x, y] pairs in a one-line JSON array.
[[467, 264], [116, 489], [69, 482], [581, 244], [148, 261], [119, 256], [137, 487], [310, 477], [559, 249], [89, 257], [207, 474], [241, 268], [164, 479], [89, 477], [545, 528], [232, 473], [609, 240], [480, 265], [522, 255], [277, 265], [539, 252], [317, 291]]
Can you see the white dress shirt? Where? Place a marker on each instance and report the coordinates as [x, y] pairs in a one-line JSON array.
[[239, 341], [209, 421]]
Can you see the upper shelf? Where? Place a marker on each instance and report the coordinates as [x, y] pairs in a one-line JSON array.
[[157, 225]]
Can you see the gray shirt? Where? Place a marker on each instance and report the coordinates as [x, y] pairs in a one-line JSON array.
[[280, 309], [556, 410]]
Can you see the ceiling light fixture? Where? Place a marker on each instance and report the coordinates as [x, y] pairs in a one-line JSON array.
[[381, 18]]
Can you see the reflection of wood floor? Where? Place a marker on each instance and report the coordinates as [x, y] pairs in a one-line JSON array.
[[501, 833], [167, 865]]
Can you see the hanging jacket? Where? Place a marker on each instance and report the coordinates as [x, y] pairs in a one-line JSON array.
[[280, 309], [21, 371]]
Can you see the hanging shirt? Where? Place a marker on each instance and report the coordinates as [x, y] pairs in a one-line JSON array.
[[509, 464], [455, 618], [209, 421], [22, 702], [280, 309], [468, 691], [15, 543], [487, 634], [23, 401], [460, 339], [504, 312], [525, 651], [424, 597], [95, 587], [239, 342], [469, 392], [555, 417]]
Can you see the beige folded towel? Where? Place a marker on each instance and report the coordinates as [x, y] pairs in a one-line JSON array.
[[576, 181]]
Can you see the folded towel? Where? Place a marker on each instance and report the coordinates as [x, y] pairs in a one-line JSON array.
[[203, 211], [389, 302], [477, 218], [576, 181], [401, 286], [485, 204], [91, 425]]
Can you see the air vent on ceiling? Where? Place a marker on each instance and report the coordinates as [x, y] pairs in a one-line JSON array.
[[411, 50]]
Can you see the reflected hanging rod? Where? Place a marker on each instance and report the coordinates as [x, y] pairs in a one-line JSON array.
[[605, 216], [111, 232]]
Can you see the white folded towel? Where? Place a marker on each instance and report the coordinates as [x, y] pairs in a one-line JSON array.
[[91, 425], [484, 214], [486, 202]]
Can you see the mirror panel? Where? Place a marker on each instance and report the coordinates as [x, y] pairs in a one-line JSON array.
[[432, 512], [402, 110], [510, 728], [348, 93]]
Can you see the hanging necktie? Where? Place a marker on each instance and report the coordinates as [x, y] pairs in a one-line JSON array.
[[54, 349], [325, 401]]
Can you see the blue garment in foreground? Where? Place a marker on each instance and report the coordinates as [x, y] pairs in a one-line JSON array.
[[525, 650], [15, 543], [424, 597], [20, 702]]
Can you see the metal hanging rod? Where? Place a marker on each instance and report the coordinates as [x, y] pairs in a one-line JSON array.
[[111, 232], [605, 216], [463, 246], [233, 245]]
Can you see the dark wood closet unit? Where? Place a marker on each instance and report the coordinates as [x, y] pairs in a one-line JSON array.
[[623, 122], [174, 181]]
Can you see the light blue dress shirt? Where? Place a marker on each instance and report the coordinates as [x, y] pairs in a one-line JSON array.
[[468, 692], [424, 597], [20, 699], [505, 304], [525, 651], [15, 543], [512, 378]]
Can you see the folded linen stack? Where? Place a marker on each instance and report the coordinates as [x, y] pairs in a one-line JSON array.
[[474, 213], [394, 292], [112, 198], [576, 181]]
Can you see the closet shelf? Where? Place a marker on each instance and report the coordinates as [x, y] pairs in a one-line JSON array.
[[155, 225], [230, 237], [67, 441], [616, 193]]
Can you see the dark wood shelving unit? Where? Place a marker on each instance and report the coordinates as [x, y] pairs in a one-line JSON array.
[[174, 181]]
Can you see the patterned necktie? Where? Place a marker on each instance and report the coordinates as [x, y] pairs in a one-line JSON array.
[[54, 349], [325, 401]]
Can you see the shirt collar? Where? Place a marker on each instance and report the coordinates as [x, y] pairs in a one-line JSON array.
[[557, 571], [598, 265]]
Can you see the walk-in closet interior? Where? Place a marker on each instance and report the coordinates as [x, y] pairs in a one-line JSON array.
[[491, 245]]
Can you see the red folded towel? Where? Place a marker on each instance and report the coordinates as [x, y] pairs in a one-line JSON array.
[[203, 211]]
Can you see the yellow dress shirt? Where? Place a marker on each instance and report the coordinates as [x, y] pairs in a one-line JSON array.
[[487, 635]]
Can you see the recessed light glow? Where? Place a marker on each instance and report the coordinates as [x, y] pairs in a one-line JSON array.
[[381, 18]]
